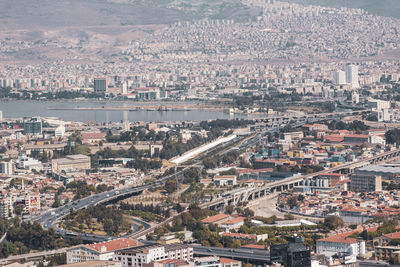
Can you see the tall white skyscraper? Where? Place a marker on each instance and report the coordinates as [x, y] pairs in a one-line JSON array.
[[352, 76], [339, 77], [124, 88]]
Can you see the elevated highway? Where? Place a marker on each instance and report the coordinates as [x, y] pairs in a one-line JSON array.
[[250, 193], [247, 255], [52, 217]]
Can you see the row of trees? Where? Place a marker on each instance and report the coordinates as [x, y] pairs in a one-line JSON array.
[[5, 92], [155, 209], [216, 160], [221, 124], [144, 164], [136, 134], [108, 153], [357, 126], [172, 149], [393, 136]]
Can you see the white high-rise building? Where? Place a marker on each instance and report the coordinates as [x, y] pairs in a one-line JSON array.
[[124, 88], [7, 168], [1, 116], [352, 76], [355, 98], [339, 77], [60, 131]]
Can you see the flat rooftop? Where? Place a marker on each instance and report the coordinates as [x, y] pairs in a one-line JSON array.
[[392, 168]]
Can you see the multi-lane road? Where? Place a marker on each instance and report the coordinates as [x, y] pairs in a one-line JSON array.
[[52, 217]]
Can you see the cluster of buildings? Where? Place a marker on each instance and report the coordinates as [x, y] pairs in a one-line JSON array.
[[174, 61], [316, 145], [349, 77], [35, 163], [126, 253], [354, 207]]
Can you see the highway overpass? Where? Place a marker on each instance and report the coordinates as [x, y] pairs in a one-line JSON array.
[[245, 194], [247, 255]]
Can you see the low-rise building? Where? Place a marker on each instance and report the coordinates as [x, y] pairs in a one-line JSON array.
[[93, 264], [216, 219], [225, 262], [292, 136], [384, 240], [365, 183], [92, 137], [246, 237], [170, 263], [103, 251], [207, 262], [350, 248], [71, 162], [233, 224], [225, 180], [386, 252], [152, 253]]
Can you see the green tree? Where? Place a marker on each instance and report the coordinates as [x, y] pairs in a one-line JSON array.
[[292, 202], [393, 136], [229, 209], [171, 186], [333, 222], [108, 226], [57, 202]]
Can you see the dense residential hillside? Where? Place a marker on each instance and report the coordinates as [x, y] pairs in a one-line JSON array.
[[377, 7]]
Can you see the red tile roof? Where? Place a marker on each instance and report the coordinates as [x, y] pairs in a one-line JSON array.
[[116, 244], [357, 136], [352, 209], [225, 260], [88, 136], [235, 220], [393, 235], [339, 239], [225, 177], [254, 246], [215, 218], [238, 235]]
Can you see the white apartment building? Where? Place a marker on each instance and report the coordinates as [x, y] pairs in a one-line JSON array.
[[225, 180], [6, 207], [350, 248], [7, 167], [103, 251], [207, 262], [352, 76], [26, 163], [60, 131], [378, 105], [339, 77], [152, 253]]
